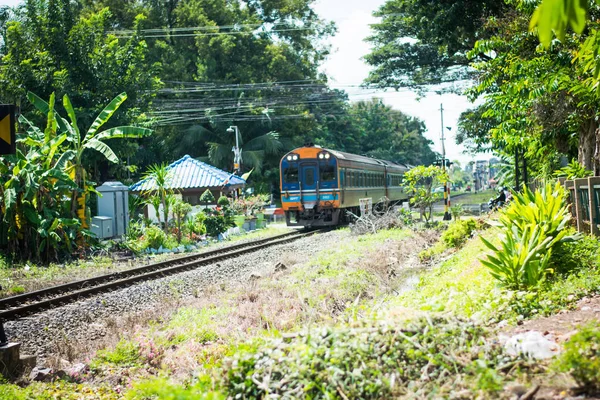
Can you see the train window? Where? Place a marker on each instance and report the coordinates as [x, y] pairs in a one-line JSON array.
[[309, 176], [327, 173], [291, 175]]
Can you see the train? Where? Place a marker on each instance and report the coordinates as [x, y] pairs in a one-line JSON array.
[[319, 185]]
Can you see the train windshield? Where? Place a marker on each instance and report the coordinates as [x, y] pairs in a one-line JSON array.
[[327, 173], [291, 174]]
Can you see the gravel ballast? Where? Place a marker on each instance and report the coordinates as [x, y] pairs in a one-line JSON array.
[[46, 333]]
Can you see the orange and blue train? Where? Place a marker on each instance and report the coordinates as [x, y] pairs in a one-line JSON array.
[[318, 185]]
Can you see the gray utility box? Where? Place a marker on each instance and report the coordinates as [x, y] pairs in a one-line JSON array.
[[102, 227], [113, 202]]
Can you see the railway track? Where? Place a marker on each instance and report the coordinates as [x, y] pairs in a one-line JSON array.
[[15, 307]]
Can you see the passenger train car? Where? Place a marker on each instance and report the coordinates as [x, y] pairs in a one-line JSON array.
[[318, 184]]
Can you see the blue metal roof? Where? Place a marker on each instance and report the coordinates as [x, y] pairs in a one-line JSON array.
[[189, 173]]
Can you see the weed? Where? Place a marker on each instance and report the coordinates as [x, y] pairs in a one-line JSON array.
[[16, 290], [125, 354], [193, 324], [160, 388]]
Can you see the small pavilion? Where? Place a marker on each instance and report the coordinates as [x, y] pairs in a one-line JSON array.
[[190, 178]]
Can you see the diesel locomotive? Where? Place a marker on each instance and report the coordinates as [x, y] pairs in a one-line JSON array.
[[318, 185]]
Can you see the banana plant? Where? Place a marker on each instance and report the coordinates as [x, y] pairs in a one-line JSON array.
[[80, 141]]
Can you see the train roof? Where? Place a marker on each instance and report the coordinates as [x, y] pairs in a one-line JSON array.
[[367, 160]]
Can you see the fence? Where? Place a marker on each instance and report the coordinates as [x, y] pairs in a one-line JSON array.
[[584, 196]]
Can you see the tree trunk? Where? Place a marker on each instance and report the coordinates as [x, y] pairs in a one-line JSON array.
[[165, 215], [588, 152]]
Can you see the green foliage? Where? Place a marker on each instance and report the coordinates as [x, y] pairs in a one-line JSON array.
[[215, 224], [180, 209], [358, 362], [125, 354], [419, 182], [459, 231], [534, 223], [207, 197], [441, 34], [581, 255], [554, 16], [581, 357], [193, 324], [223, 201], [573, 171], [457, 211], [159, 177], [160, 388], [377, 130], [154, 237]]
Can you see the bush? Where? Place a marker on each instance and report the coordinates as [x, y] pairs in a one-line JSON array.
[[223, 201], [581, 357], [215, 225], [459, 231], [534, 224], [575, 256], [155, 237]]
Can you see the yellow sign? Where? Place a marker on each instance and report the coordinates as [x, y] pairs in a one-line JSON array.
[[7, 129]]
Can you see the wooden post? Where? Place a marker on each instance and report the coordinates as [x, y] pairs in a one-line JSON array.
[[594, 185], [569, 187]]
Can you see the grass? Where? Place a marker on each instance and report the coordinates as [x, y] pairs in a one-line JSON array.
[[474, 198]]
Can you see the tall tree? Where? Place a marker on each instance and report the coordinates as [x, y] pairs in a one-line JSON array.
[[423, 42]]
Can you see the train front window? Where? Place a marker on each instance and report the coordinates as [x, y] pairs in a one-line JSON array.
[[291, 175], [309, 177], [327, 173]]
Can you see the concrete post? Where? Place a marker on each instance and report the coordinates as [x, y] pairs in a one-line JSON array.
[[578, 204]]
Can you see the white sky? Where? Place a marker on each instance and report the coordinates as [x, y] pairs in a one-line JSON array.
[[346, 69]]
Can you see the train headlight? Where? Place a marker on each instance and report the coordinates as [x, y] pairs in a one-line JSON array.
[[294, 157], [321, 156], [327, 155]]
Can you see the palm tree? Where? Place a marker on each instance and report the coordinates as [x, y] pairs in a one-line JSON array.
[[160, 175], [81, 141], [255, 145]]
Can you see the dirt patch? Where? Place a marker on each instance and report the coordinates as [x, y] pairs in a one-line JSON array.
[[564, 324]]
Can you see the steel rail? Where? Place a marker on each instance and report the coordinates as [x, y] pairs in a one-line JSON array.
[[15, 308]]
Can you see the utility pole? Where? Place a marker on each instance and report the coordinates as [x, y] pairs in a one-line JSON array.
[[237, 152], [447, 216]]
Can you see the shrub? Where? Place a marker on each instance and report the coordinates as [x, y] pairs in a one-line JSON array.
[[223, 201], [573, 171], [215, 225], [534, 224], [574, 256], [459, 231], [581, 357], [155, 237]]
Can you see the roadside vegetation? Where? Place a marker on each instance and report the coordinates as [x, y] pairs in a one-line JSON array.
[[366, 319]]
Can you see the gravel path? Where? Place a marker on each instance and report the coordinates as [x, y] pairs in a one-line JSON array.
[[45, 333]]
